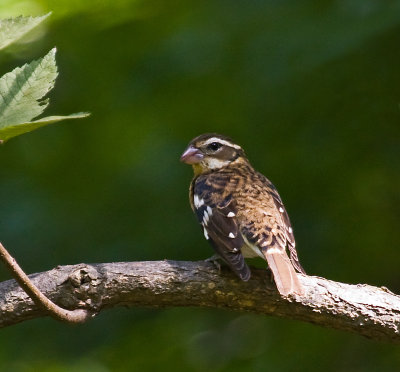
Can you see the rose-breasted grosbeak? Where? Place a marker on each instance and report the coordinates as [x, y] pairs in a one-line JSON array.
[[240, 210]]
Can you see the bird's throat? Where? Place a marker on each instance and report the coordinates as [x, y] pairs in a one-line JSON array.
[[197, 169]]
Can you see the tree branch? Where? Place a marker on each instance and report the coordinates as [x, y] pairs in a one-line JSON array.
[[70, 316], [368, 311]]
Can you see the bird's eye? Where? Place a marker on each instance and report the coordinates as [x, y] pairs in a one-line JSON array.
[[214, 146]]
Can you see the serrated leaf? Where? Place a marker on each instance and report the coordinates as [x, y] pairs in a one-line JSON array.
[[22, 89], [16, 130], [12, 29]]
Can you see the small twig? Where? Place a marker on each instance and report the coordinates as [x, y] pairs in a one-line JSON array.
[[70, 316]]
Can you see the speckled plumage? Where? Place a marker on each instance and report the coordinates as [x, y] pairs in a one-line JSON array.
[[245, 216]]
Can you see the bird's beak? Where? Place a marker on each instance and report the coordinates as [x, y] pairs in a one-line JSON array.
[[192, 156]]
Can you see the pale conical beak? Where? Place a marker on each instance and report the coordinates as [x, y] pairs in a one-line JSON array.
[[192, 156]]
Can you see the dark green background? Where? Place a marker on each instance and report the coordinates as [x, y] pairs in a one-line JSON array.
[[310, 89]]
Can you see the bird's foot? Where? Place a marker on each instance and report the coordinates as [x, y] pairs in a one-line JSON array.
[[214, 259]]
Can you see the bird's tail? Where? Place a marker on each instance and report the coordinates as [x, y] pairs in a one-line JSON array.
[[285, 276]]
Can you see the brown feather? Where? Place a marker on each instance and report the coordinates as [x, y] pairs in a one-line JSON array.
[[285, 276]]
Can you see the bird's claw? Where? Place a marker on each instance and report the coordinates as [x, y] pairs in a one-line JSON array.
[[214, 259]]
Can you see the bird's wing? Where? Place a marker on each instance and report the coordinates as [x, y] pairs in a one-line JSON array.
[[266, 226], [285, 237], [216, 212]]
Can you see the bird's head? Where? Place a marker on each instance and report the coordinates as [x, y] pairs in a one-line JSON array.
[[210, 152]]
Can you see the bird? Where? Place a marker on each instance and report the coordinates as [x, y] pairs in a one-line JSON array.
[[241, 212]]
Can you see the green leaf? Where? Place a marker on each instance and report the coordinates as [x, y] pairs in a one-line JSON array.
[[21, 97], [13, 29], [22, 89], [16, 130]]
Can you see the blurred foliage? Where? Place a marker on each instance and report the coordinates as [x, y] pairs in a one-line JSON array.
[[311, 89], [12, 29]]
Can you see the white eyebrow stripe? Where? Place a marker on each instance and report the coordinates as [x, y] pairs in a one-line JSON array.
[[221, 141]]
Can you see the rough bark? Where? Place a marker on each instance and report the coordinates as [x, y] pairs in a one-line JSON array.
[[368, 311]]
